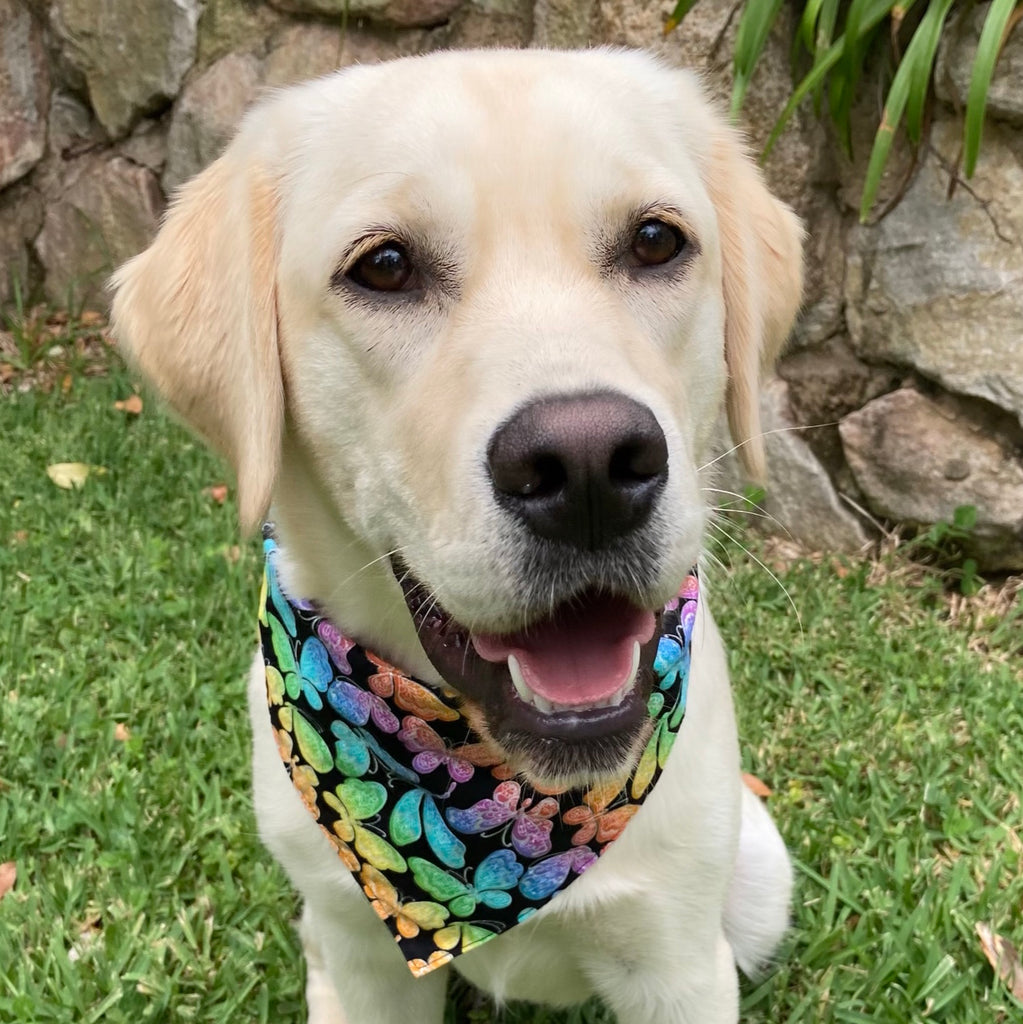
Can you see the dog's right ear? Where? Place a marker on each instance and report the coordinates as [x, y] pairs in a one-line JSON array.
[[197, 314]]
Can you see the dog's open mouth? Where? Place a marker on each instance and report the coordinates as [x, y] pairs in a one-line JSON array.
[[567, 695]]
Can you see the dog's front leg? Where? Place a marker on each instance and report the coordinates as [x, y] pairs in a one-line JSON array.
[[680, 982], [357, 978]]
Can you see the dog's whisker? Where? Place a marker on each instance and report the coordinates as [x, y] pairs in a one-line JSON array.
[[764, 433], [774, 576]]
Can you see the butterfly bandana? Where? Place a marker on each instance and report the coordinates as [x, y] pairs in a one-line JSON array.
[[449, 847]]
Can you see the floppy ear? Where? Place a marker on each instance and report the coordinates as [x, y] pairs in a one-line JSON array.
[[196, 313], [762, 275]]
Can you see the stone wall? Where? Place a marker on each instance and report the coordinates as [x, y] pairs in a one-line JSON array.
[[906, 368]]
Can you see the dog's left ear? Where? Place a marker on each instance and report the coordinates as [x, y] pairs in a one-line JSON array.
[[762, 277], [197, 314]]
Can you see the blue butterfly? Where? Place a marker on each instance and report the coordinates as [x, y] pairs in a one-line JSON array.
[[315, 670], [547, 876], [416, 811]]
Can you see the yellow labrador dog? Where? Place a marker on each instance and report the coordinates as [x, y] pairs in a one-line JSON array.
[[463, 324]]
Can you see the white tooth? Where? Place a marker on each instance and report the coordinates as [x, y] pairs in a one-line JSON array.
[[544, 706], [634, 671], [524, 692]]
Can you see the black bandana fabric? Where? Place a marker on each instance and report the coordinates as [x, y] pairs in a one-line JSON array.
[[448, 846]]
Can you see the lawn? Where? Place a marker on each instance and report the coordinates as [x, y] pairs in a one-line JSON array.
[[887, 718]]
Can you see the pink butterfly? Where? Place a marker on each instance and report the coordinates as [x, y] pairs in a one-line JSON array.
[[431, 751], [531, 831]]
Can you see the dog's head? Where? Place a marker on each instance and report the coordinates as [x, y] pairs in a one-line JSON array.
[[468, 320]]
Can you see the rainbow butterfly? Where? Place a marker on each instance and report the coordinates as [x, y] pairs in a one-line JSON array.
[[353, 749], [409, 918], [357, 706], [494, 875], [408, 694], [415, 812], [531, 832], [595, 820], [355, 801], [315, 671], [547, 876], [337, 643], [661, 741], [431, 751]]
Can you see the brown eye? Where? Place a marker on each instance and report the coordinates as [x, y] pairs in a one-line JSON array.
[[655, 242], [387, 268]]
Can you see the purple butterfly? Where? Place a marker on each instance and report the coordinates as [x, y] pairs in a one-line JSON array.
[[547, 876], [531, 833]]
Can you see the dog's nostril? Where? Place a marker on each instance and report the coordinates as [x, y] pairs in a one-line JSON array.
[[639, 460], [582, 469]]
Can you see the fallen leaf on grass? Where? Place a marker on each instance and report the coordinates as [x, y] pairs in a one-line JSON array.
[[8, 876], [68, 475], [6, 372], [132, 405], [122, 732], [91, 318], [218, 492], [755, 786], [1002, 956]]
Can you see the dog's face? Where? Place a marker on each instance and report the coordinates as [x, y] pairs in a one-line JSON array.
[[494, 302]]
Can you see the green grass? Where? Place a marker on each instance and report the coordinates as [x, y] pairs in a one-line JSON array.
[[891, 733]]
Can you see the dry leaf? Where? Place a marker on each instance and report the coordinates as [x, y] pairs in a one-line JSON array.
[[6, 372], [233, 553], [122, 732], [8, 876], [218, 492], [65, 384], [755, 786], [68, 475], [1002, 956], [90, 318], [132, 405]]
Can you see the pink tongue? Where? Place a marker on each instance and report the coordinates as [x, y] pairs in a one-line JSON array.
[[581, 655]]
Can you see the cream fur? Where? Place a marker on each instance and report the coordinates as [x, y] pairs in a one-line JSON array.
[[365, 423]]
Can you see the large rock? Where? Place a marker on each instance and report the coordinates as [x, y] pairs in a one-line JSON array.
[[207, 113], [564, 24], [955, 67], [405, 13], [109, 211], [938, 284], [24, 92], [21, 216], [132, 54], [916, 461], [801, 501]]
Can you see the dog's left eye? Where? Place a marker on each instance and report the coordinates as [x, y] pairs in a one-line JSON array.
[[656, 242], [387, 268]]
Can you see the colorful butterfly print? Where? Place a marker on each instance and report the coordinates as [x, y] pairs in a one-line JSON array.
[[494, 875], [316, 672], [482, 755], [351, 755], [358, 706], [687, 620], [595, 820], [438, 958], [690, 589], [431, 751], [311, 744], [415, 812], [547, 876], [658, 747], [353, 749], [470, 936], [274, 686], [354, 801], [281, 644], [408, 917], [284, 611], [408, 694], [336, 643], [672, 661], [532, 829]]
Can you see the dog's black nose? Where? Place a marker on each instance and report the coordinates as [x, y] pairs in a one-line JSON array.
[[581, 469]]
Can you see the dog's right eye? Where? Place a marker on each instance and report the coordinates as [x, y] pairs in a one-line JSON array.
[[387, 268]]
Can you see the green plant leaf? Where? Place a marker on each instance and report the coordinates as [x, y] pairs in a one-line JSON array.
[[992, 37], [914, 69], [755, 25], [677, 16]]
